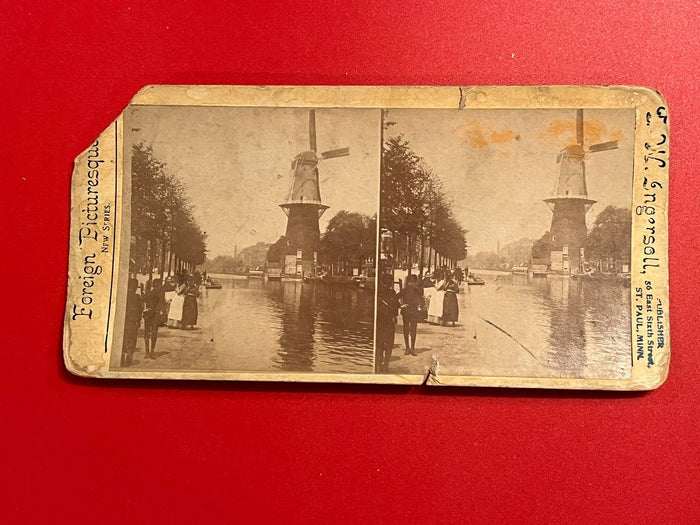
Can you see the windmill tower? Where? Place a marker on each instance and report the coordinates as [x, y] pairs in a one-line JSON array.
[[570, 202], [303, 206]]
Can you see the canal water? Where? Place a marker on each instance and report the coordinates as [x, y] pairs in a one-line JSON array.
[[289, 326], [572, 327], [514, 325]]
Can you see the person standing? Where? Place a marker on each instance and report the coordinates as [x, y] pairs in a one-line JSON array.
[[450, 309], [190, 310], [437, 298], [177, 303], [132, 321], [154, 309], [387, 310], [411, 301]]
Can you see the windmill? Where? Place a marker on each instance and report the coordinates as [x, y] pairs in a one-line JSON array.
[[570, 202], [304, 207]]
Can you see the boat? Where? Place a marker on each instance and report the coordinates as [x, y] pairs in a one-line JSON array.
[[211, 284], [257, 273], [538, 270], [475, 281], [519, 269], [273, 274]]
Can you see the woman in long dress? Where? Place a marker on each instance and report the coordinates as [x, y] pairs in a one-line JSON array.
[[437, 296], [190, 311], [450, 309], [177, 304]]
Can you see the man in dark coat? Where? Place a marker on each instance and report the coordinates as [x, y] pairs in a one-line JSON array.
[[154, 309], [132, 321], [387, 310]]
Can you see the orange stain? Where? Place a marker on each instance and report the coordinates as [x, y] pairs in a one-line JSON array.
[[617, 135], [500, 137], [594, 131], [473, 134]]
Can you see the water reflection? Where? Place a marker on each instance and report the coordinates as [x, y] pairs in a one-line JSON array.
[[566, 350], [298, 316], [512, 326], [576, 327], [297, 327]]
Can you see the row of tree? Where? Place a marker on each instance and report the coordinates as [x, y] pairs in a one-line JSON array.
[[415, 211], [164, 232]]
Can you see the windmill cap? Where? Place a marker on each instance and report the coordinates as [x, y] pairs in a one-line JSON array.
[[575, 149], [307, 156]]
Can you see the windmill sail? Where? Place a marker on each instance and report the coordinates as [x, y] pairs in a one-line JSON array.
[[579, 127], [331, 154], [603, 146], [312, 130]]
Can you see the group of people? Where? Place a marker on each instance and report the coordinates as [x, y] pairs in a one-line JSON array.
[[183, 311], [173, 303], [433, 300]]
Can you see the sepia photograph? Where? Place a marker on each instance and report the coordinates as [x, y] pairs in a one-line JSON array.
[[506, 242], [253, 239], [467, 236]]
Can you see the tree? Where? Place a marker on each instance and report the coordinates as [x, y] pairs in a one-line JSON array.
[[188, 241], [542, 247], [221, 264], [349, 239], [161, 216], [402, 179], [610, 237], [414, 207], [278, 250], [484, 261]]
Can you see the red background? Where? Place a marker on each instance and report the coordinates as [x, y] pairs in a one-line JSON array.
[[85, 451]]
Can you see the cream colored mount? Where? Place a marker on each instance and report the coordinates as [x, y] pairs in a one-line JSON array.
[[100, 225]]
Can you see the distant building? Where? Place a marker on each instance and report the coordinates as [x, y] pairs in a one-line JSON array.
[[254, 256]]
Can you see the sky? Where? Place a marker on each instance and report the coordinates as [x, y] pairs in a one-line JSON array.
[[497, 166], [235, 163]]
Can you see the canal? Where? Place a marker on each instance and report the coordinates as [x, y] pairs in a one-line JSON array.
[[550, 326], [259, 325], [512, 326]]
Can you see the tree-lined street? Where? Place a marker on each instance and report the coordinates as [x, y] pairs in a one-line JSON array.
[[164, 232], [416, 212]]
